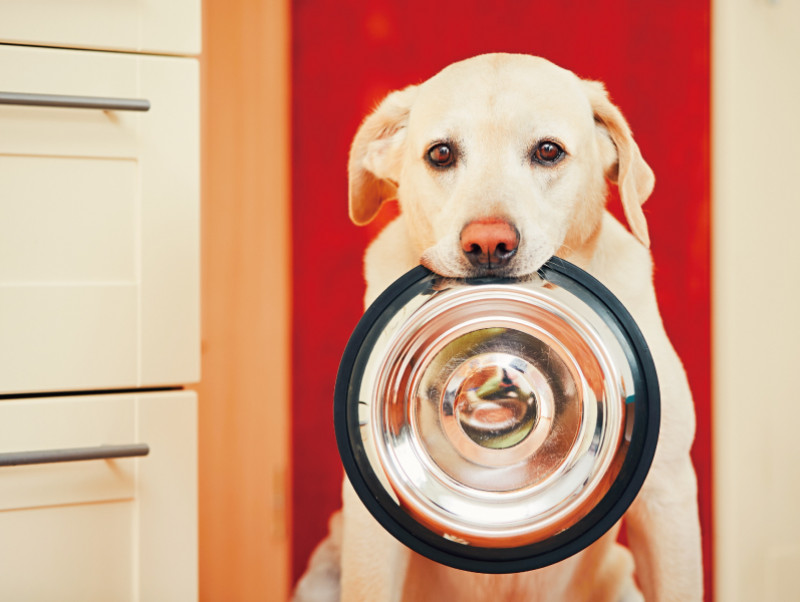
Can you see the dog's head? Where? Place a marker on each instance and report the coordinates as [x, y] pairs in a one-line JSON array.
[[498, 162]]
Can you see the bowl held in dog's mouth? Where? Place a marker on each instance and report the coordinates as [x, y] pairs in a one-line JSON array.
[[497, 425]]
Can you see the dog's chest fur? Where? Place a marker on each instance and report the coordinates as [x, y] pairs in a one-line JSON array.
[[601, 573]]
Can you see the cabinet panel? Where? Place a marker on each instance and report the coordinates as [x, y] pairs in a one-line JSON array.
[[68, 553], [170, 243], [58, 224], [62, 336], [123, 529], [168, 498], [99, 224], [171, 27]]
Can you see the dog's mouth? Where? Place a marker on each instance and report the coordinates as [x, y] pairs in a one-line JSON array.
[[466, 271], [452, 261]]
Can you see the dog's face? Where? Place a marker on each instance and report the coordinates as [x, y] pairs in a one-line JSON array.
[[498, 162]]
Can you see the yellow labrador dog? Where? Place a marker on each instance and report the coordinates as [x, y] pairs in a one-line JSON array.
[[499, 162]]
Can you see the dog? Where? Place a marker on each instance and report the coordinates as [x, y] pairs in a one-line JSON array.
[[499, 162]]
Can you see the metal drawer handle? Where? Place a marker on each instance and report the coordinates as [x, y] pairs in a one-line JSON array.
[[74, 102], [75, 454]]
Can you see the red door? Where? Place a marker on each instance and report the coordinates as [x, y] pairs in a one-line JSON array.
[[654, 59]]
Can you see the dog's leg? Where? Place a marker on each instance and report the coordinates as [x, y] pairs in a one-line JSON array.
[[373, 562], [663, 522], [664, 536], [632, 595], [321, 581]]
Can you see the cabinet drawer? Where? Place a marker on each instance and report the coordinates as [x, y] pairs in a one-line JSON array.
[[121, 529], [99, 223], [66, 423], [165, 26]]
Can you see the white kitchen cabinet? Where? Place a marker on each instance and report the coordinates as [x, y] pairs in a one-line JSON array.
[[120, 529], [158, 26], [99, 223], [99, 299]]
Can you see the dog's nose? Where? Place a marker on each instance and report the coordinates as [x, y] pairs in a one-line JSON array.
[[489, 243]]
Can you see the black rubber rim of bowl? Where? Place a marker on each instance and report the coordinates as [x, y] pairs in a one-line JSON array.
[[500, 560]]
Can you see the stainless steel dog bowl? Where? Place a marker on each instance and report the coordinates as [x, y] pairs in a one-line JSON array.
[[497, 425]]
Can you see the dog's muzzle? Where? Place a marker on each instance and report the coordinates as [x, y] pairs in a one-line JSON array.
[[497, 425]]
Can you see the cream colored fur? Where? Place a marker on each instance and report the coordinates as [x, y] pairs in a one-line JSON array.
[[494, 109]]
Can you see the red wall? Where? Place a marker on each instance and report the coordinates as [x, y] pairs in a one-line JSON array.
[[654, 58]]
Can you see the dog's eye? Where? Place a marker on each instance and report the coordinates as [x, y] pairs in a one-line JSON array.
[[441, 155], [548, 153]]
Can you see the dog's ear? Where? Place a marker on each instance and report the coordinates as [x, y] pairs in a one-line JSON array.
[[375, 155], [625, 165]]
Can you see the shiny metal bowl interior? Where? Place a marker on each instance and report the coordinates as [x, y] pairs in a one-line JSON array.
[[495, 414]]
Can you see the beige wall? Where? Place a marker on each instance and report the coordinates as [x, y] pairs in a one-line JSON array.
[[756, 284], [244, 427]]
